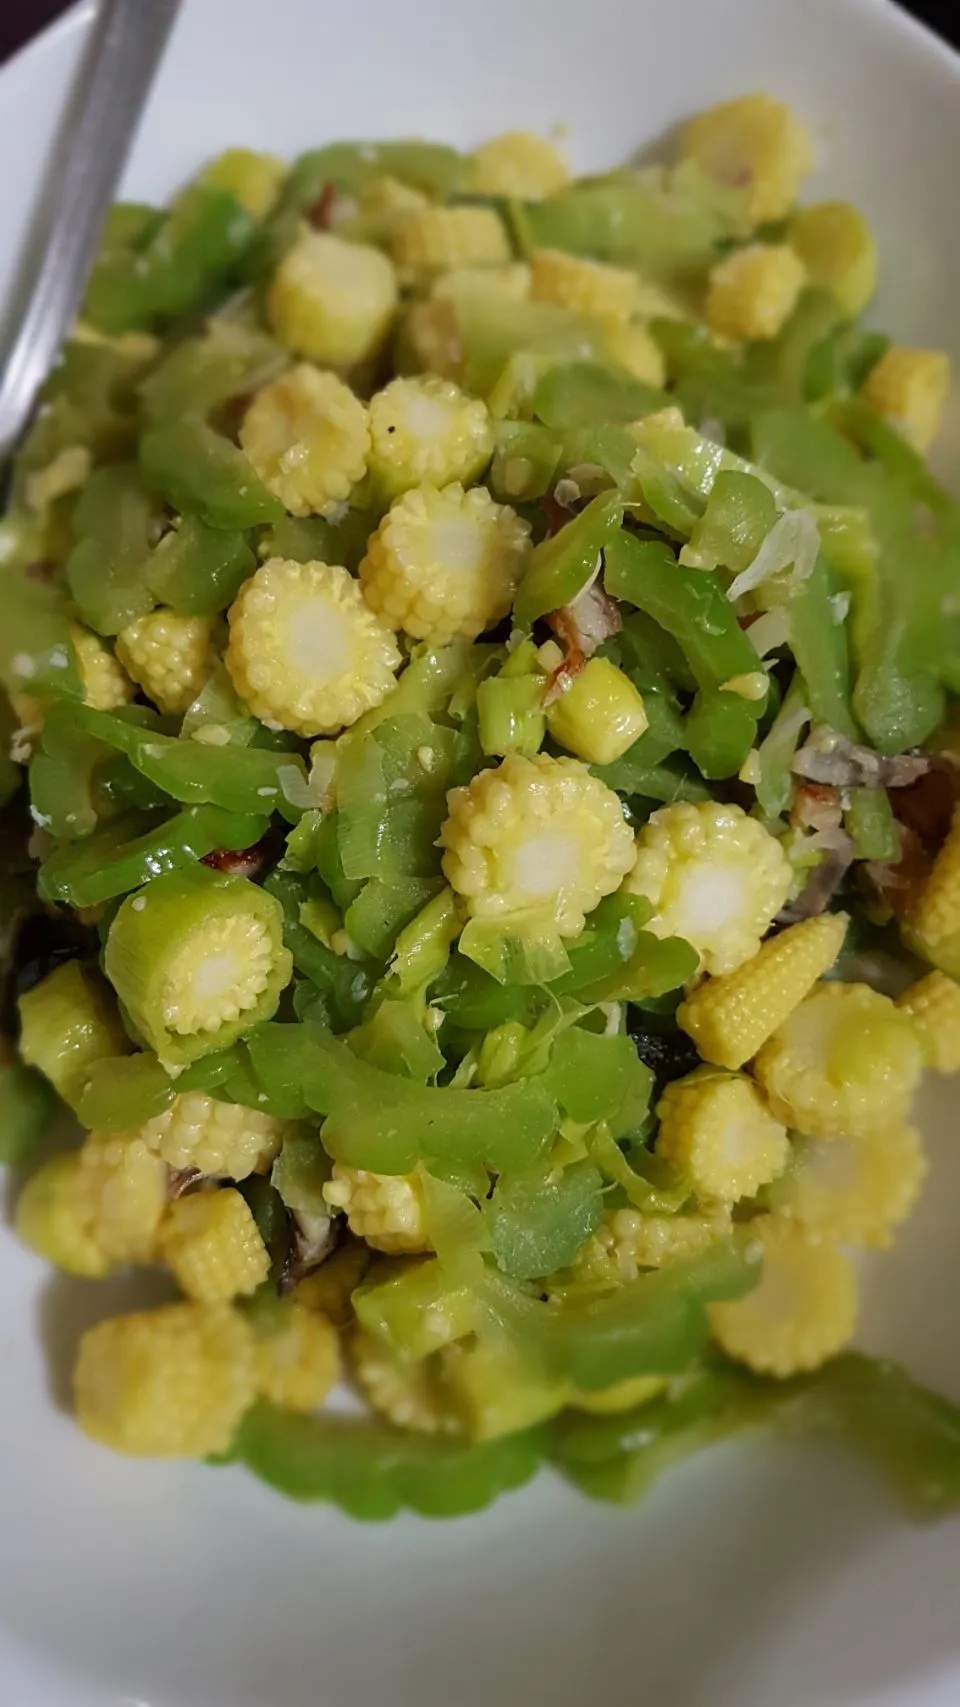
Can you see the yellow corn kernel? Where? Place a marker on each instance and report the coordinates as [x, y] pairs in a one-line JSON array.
[[223, 1140], [753, 144], [210, 1241], [255, 179], [909, 388], [591, 288], [856, 1190], [385, 1210], [410, 1395], [729, 1018], [511, 282], [753, 292], [846, 1061], [599, 716], [105, 683], [802, 1311], [445, 563], [167, 1383], [329, 1289], [712, 875], [308, 438], [518, 163], [426, 430], [933, 1004], [715, 1130], [936, 912], [628, 1241], [622, 1396], [169, 655], [434, 239], [306, 652], [540, 838], [124, 1186], [53, 1218], [297, 1356], [67, 472], [332, 301], [630, 344], [836, 246]]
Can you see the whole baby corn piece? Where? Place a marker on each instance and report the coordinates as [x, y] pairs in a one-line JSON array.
[[857, 1190], [332, 301], [713, 876], [802, 1311], [753, 292], [426, 430], [385, 1210], [53, 1218], [167, 1383], [170, 656], [306, 652], [445, 563], [520, 164], [836, 246], [434, 239], [599, 716], [909, 389], [197, 958], [716, 1131], [591, 288], [754, 144], [845, 1061], [538, 838], [103, 679], [730, 1017], [933, 1004], [409, 1394], [210, 1241], [124, 1187], [296, 1355], [308, 437], [222, 1140], [69, 1021]]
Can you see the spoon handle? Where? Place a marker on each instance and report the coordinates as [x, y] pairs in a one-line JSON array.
[[125, 49]]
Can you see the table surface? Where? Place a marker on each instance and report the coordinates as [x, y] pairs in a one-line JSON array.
[[16, 28]]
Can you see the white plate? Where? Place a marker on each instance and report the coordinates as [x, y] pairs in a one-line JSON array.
[[762, 1575]]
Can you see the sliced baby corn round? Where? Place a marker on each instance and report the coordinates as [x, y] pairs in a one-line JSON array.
[[713, 876], [53, 1218], [600, 715], [909, 389], [936, 912], [306, 652], [511, 282], [329, 1289], [410, 1395], [210, 1241], [426, 429], [332, 301], [518, 163], [802, 1311], [223, 1140], [385, 1210], [170, 656], [167, 1383], [933, 1004], [307, 437], [754, 144], [730, 1017], [836, 246], [855, 1190], [445, 563], [434, 239], [104, 681], [540, 838], [717, 1132], [846, 1061], [296, 1355], [628, 1241], [753, 292], [591, 288], [124, 1186]]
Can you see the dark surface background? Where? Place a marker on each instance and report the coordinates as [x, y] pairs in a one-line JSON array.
[[20, 19]]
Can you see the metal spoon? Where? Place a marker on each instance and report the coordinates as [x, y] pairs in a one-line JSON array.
[[122, 57]]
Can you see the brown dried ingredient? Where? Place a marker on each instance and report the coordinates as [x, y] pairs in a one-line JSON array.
[[581, 627], [320, 215], [815, 807], [240, 862]]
